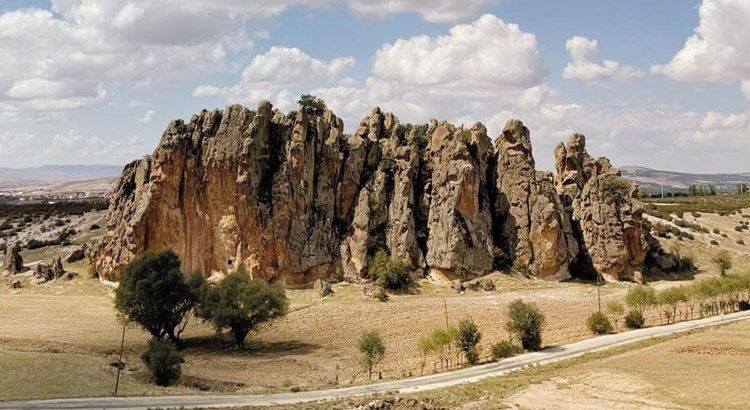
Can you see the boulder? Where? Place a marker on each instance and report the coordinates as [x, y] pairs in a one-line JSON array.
[[323, 288], [12, 261], [485, 284], [44, 272], [76, 255]]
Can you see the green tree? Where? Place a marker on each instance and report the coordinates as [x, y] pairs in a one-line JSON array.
[[164, 362], [373, 350], [154, 294], [469, 337], [640, 297], [311, 104], [525, 321], [615, 310], [242, 304], [723, 261]]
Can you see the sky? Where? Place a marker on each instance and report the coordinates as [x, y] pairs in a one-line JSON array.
[[663, 84]]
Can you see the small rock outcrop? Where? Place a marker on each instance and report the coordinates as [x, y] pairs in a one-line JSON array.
[[605, 208], [291, 198], [536, 226], [44, 272], [13, 261]]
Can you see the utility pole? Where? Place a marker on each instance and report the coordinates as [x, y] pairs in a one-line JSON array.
[[445, 306], [119, 360], [598, 291], [662, 190]]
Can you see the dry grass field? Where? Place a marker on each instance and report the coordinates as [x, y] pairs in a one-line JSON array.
[[60, 338]]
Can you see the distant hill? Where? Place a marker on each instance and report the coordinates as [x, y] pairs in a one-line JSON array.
[[651, 180], [46, 174]]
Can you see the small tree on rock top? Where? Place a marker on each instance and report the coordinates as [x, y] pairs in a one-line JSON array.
[[312, 105]]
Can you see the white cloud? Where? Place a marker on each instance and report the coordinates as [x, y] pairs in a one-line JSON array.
[[583, 67], [280, 75], [148, 116], [430, 10], [719, 51], [716, 120]]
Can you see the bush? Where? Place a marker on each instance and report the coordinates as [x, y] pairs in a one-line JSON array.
[[154, 294], [640, 297], [714, 242], [723, 261], [740, 242], [94, 227], [469, 337], [381, 295], [525, 321], [634, 320], [504, 349], [240, 303], [390, 273], [164, 361], [373, 349], [599, 323]]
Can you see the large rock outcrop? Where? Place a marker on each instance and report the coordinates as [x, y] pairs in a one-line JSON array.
[[12, 261], [536, 227], [292, 198], [605, 208]]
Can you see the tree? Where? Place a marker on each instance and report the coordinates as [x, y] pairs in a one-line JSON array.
[[640, 297], [373, 349], [242, 304], [615, 311], [671, 298], [311, 104], [469, 337], [154, 294], [164, 361], [525, 321], [723, 261]]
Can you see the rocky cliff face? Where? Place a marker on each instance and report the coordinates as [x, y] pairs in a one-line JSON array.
[[536, 227], [291, 198], [606, 210]]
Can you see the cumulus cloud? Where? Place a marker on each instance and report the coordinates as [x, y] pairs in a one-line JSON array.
[[719, 51], [148, 116], [583, 67], [716, 120], [280, 75]]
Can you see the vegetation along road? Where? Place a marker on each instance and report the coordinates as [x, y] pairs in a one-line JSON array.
[[467, 375]]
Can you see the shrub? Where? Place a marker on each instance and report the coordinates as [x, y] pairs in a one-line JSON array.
[[615, 190], [717, 231], [634, 320], [373, 349], [740, 242], [154, 294], [241, 304], [94, 227], [504, 349], [615, 311], [599, 323], [714, 242], [469, 337], [723, 261], [390, 273], [381, 295], [164, 361], [525, 321]]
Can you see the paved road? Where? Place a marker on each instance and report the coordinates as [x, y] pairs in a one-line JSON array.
[[436, 381]]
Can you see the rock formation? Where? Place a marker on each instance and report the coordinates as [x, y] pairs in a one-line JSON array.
[[605, 209], [12, 261], [292, 198], [536, 227], [44, 272]]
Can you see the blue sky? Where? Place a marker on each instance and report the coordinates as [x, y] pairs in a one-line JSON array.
[[663, 84]]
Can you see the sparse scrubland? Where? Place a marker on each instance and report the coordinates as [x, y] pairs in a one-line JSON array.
[[430, 328]]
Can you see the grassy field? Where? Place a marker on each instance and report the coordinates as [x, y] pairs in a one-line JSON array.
[[73, 324], [704, 369]]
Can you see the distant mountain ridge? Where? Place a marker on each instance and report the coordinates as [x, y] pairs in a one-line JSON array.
[[13, 177], [652, 180]]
